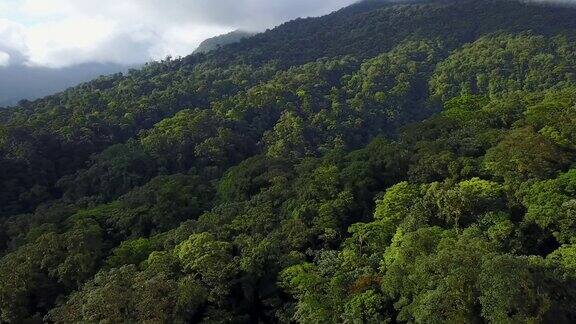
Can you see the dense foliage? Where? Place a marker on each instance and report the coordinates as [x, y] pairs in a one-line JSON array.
[[386, 163]]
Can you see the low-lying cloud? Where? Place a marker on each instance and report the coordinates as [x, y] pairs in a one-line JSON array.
[[59, 33], [4, 59]]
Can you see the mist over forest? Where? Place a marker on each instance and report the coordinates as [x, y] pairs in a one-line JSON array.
[[23, 82]]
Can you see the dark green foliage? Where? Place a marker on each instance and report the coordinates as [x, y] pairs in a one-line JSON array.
[[499, 64], [386, 163]]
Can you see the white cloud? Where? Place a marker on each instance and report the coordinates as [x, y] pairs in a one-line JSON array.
[[75, 38], [4, 59], [59, 33], [12, 35]]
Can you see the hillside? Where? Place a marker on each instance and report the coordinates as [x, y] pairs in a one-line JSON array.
[[20, 82], [216, 42], [388, 162]]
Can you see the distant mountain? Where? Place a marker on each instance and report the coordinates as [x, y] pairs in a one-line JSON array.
[[23, 82], [368, 28], [216, 42]]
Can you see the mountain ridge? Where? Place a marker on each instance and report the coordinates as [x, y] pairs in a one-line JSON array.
[[31, 83], [216, 42]]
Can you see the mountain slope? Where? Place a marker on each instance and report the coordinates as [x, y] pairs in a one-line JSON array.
[[372, 27], [388, 162], [117, 108], [30, 83], [222, 40]]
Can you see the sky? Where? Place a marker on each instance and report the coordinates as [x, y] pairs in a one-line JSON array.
[[63, 33]]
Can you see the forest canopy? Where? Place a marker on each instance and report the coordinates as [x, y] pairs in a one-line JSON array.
[[385, 163]]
